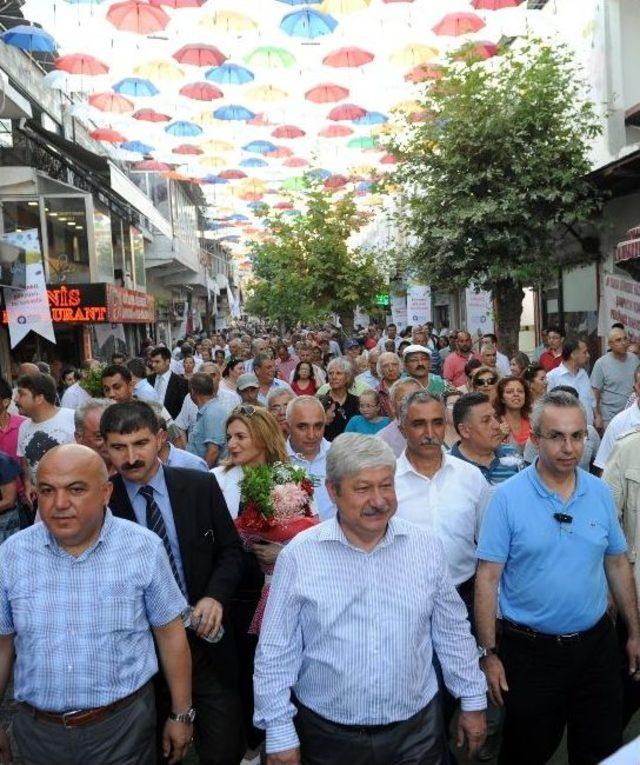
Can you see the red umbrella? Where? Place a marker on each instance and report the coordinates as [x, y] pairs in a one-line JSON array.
[[198, 54], [152, 166], [348, 57], [335, 131], [295, 162], [288, 131], [260, 120], [424, 72], [335, 182], [179, 3], [107, 134], [187, 148], [150, 115], [137, 16], [283, 206], [201, 91], [232, 175], [81, 63], [389, 159], [111, 102], [494, 5], [326, 92], [251, 196], [346, 112], [477, 50], [280, 152], [454, 24]]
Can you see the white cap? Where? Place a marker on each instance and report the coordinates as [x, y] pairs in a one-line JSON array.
[[415, 348]]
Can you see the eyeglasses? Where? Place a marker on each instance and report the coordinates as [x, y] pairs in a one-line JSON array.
[[245, 409], [485, 382], [560, 438]]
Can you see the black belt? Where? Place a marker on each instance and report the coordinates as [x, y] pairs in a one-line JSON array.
[[363, 729], [521, 630]]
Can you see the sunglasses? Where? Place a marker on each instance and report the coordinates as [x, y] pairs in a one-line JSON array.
[[485, 382], [245, 409]]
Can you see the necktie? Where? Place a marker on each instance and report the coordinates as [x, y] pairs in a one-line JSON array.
[[155, 523]]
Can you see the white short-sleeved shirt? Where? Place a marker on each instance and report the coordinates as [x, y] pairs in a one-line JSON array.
[[35, 439]]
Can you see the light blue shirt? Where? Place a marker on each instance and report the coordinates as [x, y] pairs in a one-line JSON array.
[[353, 633], [369, 379], [161, 496], [275, 385], [317, 470], [553, 579], [143, 391], [209, 428], [580, 381], [82, 625], [181, 458]]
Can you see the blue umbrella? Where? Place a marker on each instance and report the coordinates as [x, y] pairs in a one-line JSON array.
[[233, 112], [141, 148], [29, 38], [253, 162], [363, 187], [217, 180], [308, 23], [371, 118], [229, 74], [319, 173], [183, 129], [136, 86], [238, 216], [257, 205], [260, 147]]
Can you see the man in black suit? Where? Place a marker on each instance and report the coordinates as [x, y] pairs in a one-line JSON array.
[[170, 388], [187, 510]]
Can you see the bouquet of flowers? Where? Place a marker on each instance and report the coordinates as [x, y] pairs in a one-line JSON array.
[[277, 505]]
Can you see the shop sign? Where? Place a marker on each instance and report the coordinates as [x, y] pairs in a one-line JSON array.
[[619, 302], [418, 304], [75, 303], [129, 306], [479, 307]]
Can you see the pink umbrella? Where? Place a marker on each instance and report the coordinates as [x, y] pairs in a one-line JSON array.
[[348, 57], [460, 23], [388, 159], [335, 131], [198, 54], [138, 17], [188, 148], [346, 112], [280, 152], [424, 72], [201, 91], [81, 63], [179, 3], [108, 135], [150, 115], [326, 92], [152, 166], [232, 175], [494, 5], [111, 102], [288, 131], [335, 182], [295, 162], [477, 50]]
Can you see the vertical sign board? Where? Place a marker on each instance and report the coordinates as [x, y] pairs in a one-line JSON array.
[[398, 297], [418, 304], [479, 312]]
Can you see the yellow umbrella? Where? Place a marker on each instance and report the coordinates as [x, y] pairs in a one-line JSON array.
[[266, 94], [362, 170], [387, 129], [373, 200], [228, 21], [216, 145], [252, 184], [158, 69], [413, 55], [407, 107], [213, 162], [205, 118], [343, 6]]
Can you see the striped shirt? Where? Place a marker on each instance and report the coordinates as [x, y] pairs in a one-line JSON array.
[[82, 626], [506, 463], [352, 633]]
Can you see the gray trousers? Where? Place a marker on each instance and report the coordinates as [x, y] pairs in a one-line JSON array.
[[126, 737]]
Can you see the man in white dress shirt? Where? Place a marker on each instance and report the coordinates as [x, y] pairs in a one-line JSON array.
[[572, 372]]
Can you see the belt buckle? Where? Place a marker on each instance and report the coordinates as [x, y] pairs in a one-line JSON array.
[[569, 636], [66, 715]]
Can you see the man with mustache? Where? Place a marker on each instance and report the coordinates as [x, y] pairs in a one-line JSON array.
[[344, 667], [417, 364]]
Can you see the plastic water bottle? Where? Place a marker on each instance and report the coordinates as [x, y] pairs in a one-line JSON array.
[[187, 620]]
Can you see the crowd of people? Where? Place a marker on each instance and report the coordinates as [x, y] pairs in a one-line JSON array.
[[470, 563]]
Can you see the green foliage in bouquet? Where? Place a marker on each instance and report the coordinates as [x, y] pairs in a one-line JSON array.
[[256, 486], [92, 381]]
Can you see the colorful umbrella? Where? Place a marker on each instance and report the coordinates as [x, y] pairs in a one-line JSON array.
[[494, 5], [260, 147], [260, 120], [158, 69], [230, 74], [215, 180], [295, 162], [413, 55], [267, 94], [70, 83], [150, 115], [389, 159], [362, 142], [137, 17], [215, 145], [279, 152], [372, 118], [137, 146], [233, 112], [108, 135], [152, 166], [213, 162], [179, 3], [424, 72], [344, 6], [288, 131], [335, 182], [348, 57], [326, 93], [455, 24], [270, 57], [480, 50], [335, 131], [232, 175], [136, 86], [320, 173], [201, 91], [198, 54], [346, 112], [228, 21], [183, 129], [308, 24], [111, 102], [187, 148], [81, 63], [32, 39], [253, 162]]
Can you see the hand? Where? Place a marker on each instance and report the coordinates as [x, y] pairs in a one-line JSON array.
[[288, 757], [176, 738], [330, 414], [633, 654], [5, 748], [597, 422], [267, 554], [496, 678], [208, 612], [472, 726]]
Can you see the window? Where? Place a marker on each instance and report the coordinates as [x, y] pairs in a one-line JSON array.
[[66, 232]]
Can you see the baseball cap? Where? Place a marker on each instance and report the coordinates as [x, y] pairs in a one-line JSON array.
[[352, 343], [415, 348], [247, 380]]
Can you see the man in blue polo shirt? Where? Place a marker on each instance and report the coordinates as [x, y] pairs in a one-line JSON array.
[[552, 542], [207, 437]]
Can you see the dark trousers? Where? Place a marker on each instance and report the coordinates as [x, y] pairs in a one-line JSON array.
[[630, 687], [557, 683], [218, 734], [124, 737], [416, 741]]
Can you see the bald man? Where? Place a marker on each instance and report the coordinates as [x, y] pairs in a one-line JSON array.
[[82, 597], [612, 379]]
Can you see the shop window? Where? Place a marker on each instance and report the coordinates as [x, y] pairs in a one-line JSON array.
[[137, 248], [6, 134], [104, 243], [21, 216], [68, 244]]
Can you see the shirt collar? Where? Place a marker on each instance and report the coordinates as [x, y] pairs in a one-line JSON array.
[[324, 448], [158, 484], [404, 466], [331, 531], [544, 491], [51, 542]]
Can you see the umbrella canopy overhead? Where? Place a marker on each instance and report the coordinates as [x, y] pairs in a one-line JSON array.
[[198, 54], [137, 17], [81, 63], [32, 39], [308, 23]]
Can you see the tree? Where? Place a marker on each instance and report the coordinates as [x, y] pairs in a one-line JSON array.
[[494, 173], [305, 270]]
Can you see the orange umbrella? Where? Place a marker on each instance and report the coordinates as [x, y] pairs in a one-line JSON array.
[[111, 102], [348, 57], [424, 72], [138, 17], [335, 131], [198, 54], [454, 24], [325, 93], [107, 134], [81, 63]]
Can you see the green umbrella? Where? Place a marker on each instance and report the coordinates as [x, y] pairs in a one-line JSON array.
[[270, 57], [296, 183], [363, 142]]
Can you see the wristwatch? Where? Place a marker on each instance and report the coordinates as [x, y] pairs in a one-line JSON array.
[[483, 652], [184, 717]]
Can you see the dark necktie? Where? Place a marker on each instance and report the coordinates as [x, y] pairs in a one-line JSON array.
[[155, 523]]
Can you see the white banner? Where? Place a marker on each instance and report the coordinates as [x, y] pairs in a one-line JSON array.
[[28, 309], [479, 312], [418, 304], [398, 299], [360, 319], [619, 301]]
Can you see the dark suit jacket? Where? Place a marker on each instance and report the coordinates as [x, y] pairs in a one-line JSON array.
[[177, 389], [209, 544]]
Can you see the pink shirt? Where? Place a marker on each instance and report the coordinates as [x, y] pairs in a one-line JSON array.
[[9, 436], [284, 369], [453, 369]]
